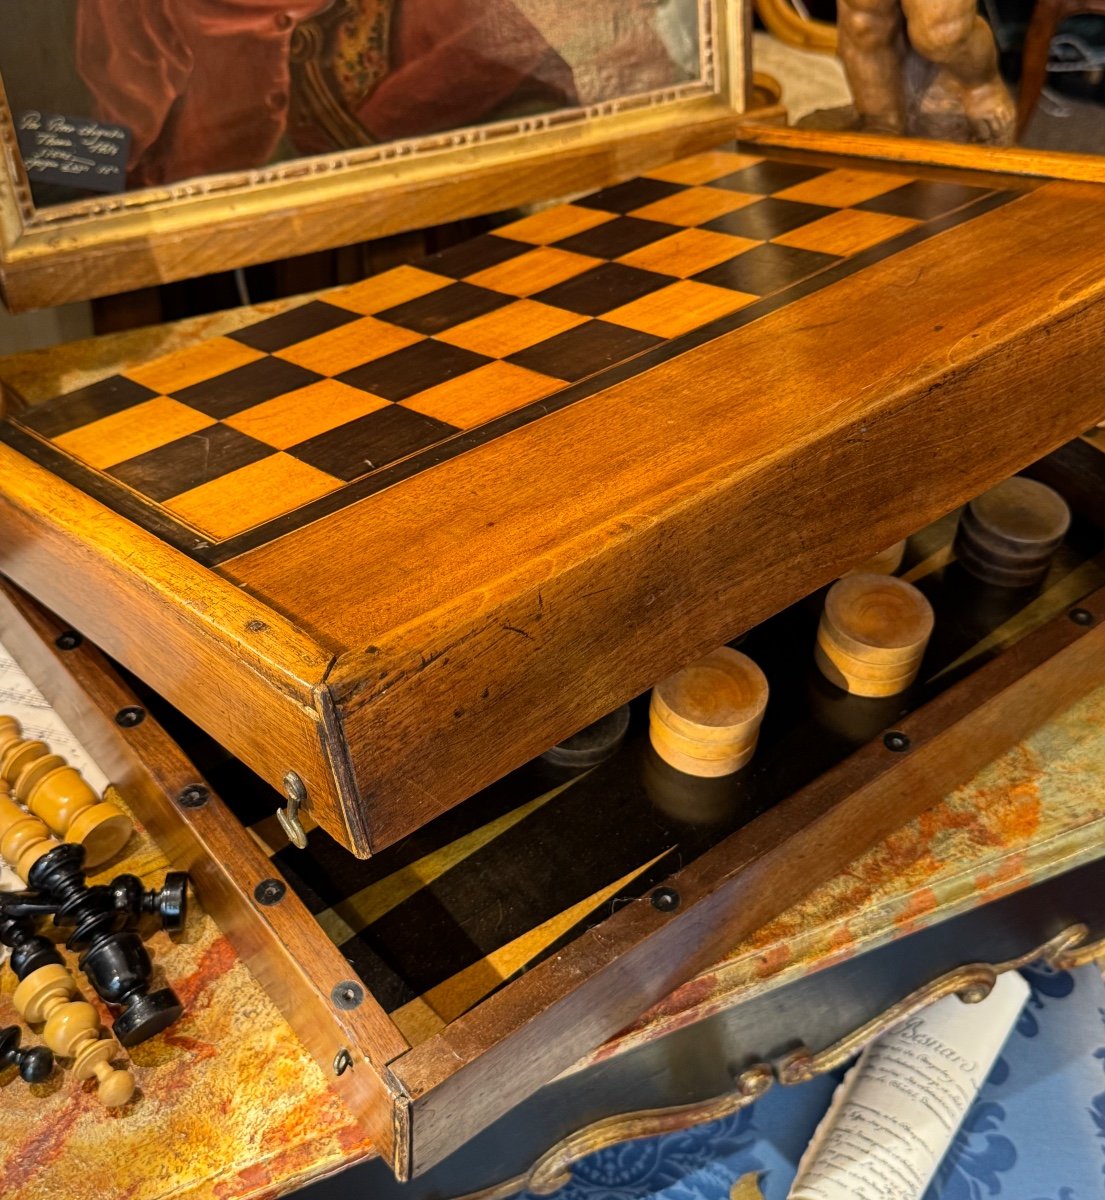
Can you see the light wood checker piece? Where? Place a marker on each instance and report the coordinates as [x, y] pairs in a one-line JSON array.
[[873, 634]]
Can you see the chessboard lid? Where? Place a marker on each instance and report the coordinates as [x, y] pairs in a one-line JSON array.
[[390, 544]]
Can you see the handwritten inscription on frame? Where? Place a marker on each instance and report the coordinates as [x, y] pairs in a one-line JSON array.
[[78, 152]]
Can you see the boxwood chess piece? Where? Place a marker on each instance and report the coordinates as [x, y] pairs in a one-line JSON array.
[[47, 992], [46, 785], [924, 67]]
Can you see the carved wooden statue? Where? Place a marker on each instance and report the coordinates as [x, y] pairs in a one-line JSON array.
[[924, 67]]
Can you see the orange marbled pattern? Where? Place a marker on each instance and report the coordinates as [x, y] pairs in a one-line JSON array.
[[229, 1104]]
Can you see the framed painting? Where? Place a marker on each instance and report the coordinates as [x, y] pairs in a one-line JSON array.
[[164, 139]]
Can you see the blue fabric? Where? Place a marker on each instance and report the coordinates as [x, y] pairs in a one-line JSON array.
[[1035, 1132]]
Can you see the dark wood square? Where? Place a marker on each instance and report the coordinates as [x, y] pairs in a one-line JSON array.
[[923, 199], [584, 350], [765, 177], [448, 306], [475, 255], [624, 197], [614, 238], [189, 461], [602, 288], [246, 386], [766, 269], [768, 218], [85, 405], [371, 442], [296, 325], [413, 369]]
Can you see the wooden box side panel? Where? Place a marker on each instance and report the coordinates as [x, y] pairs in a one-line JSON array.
[[228, 662], [569, 634]]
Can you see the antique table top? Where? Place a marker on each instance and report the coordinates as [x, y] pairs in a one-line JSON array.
[[231, 1106]]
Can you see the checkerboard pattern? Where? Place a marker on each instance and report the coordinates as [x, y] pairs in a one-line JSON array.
[[243, 430]]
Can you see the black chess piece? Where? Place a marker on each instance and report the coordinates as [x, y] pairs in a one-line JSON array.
[[29, 950], [169, 902], [112, 955], [34, 1062]]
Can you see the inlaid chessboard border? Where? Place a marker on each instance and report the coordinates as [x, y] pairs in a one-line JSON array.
[[762, 193]]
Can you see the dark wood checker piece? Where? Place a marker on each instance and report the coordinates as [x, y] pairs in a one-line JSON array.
[[396, 540]]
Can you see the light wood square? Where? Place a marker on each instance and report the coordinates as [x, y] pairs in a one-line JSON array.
[[194, 364], [133, 431], [483, 394], [252, 495], [512, 328], [296, 416], [393, 287], [839, 189], [847, 231], [678, 308], [702, 168], [349, 346], [552, 224], [695, 206], [688, 252], [537, 269]]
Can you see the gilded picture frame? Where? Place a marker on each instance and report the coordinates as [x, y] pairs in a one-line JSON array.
[[102, 244]]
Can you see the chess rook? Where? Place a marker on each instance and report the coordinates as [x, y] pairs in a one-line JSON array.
[[72, 1030], [873, 634], [705, 719], [1008, 535], [49, 787]]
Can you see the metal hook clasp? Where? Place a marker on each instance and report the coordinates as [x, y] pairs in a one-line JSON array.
[[289, 815]]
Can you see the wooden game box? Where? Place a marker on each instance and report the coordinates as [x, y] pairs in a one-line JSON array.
[[453, 975], [389, 546], [383, 550]]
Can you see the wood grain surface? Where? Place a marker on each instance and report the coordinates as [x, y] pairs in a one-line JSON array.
[[433, 623]]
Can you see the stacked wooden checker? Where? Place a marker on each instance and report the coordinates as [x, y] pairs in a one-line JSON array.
[[886, 562], [705, 719], [1007, 536], [873, 634]]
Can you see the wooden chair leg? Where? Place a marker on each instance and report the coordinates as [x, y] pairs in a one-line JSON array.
[[1041, 29]]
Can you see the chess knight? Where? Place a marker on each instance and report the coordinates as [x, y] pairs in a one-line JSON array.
[[924, 67]]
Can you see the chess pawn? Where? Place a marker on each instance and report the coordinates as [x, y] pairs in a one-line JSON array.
[[50, 788], [873, 634], [1007, 536], [705, 719], [24, 839], [35, 1063], [72, 1030]]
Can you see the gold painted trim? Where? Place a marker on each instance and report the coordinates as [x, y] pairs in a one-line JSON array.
[[971, 983], [109, 243]]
